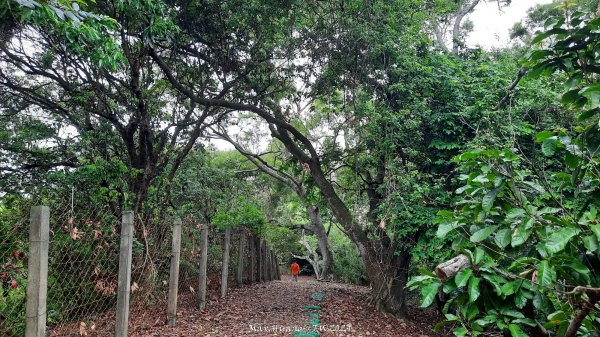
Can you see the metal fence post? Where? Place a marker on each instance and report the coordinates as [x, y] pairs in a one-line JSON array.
[[124, 283], [174, 273], [37, 272]]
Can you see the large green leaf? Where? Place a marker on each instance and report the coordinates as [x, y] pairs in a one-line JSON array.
[[546, 274], [570, 96], [515, 331], [558, 240], [520, 235], [502, 237], [429, 292], [473, 289], [541, 36], [508, 289], [488, 199], [483, 233], [590, 242], [549, 146], [592, 93], [445, 228], [462, 277], [596, 230], [460, 331]]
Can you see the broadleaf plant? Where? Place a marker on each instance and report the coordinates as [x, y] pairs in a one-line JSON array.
[[530, 227]]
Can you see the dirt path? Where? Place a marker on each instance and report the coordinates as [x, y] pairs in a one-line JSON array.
[[278, 308]]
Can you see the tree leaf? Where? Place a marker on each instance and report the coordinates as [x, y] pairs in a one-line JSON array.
[[549, 146], [515, 213], [592, 93], [479, 253], [483, 233], [543, 135], [596, 230], [520, 235], [445, 228], [570, 96], [508, 289], [460, 331], [429, 292], [488, 199], [515, 331], [502, 237], [546, 274], [462, 277], [473, 289], [558, 240]]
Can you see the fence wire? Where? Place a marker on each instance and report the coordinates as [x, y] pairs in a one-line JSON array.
[[151, 256], [83, 264], [14, 248], [190, 257]]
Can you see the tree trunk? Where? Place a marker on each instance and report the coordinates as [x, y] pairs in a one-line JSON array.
[[203, 266], [323, 242], [388, 281], [241, 257], [225, 269], [252, 251], [387, 271], [312, 257]]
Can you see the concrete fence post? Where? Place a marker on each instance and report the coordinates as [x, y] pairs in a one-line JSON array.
[[251, 263], [225, 268], [278, 267], [203, 267], [37, 272], [265, 265], [269, 265], [174, 273], [124, 283], [241, 258], [259, 260]]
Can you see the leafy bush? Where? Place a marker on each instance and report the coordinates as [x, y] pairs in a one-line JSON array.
[[530, 227]]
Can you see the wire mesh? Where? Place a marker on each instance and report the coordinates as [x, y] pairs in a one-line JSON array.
[[190, 256], [151, 256], [83, 264], [14, 229]]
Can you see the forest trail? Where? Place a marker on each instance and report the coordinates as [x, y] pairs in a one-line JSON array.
[[278, 308]]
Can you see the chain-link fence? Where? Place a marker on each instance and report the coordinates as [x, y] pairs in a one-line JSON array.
[[14, 229], [151, 255], [83, 264], [189, 258]]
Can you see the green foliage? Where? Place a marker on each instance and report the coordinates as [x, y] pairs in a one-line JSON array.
[[84, 33], [13, 264], [529, 226], [244, 212], [348, 265]]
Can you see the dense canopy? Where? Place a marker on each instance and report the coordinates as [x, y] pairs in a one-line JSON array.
[[365, 137]]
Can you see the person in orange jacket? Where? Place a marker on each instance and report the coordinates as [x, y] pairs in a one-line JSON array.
[[295, 270]]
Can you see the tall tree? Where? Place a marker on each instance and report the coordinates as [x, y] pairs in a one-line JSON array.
[[117, 102]]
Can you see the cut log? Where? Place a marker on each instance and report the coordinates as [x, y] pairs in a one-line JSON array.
[[446, 270]]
